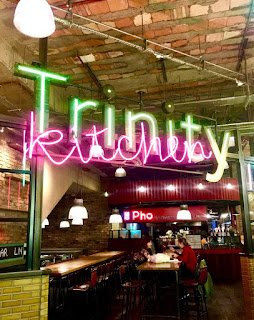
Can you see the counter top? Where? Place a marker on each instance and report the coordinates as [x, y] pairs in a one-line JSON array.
[[218, 251], [67, 267]]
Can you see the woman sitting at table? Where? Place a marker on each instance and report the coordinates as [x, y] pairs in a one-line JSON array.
[[188, 257], [146, 254], [145, 251]]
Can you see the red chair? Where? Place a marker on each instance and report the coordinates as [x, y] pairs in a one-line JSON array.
[[84, 295], [199, 295], [129, 290]]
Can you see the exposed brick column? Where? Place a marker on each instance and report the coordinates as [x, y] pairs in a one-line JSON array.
[[247, 267]]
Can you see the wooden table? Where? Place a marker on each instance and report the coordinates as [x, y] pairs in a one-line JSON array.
[[67, 267], [64, 270], [164, 267]]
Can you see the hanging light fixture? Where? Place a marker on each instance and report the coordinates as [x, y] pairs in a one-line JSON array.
[[184, 213], [197, 157], [45, 223], [64, 224], [77, 222], [120, 172], [78, 211], [34, 18], [115, 217], [96, 151]]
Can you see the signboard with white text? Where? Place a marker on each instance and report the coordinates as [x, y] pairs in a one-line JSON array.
[[11, 252]]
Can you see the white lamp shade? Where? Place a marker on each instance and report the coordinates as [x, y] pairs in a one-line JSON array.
[[197, 157], [96, 151], [78, 211], [77, 222], [115, 218], [183, 215], [120, 172], [46, 222], [34, 18], [64, 224]]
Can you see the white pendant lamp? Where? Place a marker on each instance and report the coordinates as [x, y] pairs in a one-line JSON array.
[[96, 151], [120, 172], [115, 217], [197, 157], [78, 211], [64, 224], [77, 222], [45, 223], [34, 18], [184, 213]]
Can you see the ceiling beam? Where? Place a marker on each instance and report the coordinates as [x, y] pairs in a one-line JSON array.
[[91, 74]]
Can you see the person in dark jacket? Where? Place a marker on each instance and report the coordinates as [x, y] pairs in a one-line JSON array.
[[145, 251], [188, 257]]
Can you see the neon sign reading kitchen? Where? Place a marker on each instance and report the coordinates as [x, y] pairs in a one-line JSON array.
[[125, 149]]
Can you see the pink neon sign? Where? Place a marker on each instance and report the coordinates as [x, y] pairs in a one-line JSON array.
[[44, 141]]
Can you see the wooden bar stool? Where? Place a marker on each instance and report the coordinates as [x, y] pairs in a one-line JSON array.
[[195, 289], [84, 297], [129, 290]]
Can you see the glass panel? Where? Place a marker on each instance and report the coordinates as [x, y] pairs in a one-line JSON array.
[[251, 204], [251, 208], [14, 199], [249, 168], [248, 145], [15, 190]]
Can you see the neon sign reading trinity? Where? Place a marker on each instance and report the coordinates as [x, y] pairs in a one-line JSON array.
[[125, 148]]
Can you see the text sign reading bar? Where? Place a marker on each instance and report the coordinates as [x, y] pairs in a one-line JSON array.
[[11, 251], [104, 144], [198, 213]]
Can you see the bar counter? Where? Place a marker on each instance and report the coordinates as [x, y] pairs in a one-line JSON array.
[[67, 267], [223, 264]]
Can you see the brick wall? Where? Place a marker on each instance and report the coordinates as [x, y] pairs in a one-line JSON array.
[[247, 267], [24, 297], [13, 232], [14, 197], [93, 235]]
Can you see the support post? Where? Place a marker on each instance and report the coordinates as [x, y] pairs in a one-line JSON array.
[[248, 245], [36, 193]]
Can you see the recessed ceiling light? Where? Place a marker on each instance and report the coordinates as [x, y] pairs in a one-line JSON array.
[[200, 186], [141, 189], [171, 187]]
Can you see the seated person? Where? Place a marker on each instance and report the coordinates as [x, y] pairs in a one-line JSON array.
[[145, 251], [188, 257]]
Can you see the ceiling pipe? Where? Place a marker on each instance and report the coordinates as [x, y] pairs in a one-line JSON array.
[[159, 55]]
